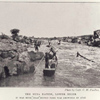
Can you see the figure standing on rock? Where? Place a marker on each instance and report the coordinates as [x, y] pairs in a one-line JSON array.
[[36, 46], [49, 43], [59, 42]]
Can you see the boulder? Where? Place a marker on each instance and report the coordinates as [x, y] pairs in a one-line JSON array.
[[23, 65], [32, 69], [12, 54], [24, 56], [20, 67], [7, 44], [24, 68], [14, 71], [35, 55], [11, 66], [4, 54]]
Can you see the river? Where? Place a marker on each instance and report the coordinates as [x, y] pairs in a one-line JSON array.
[[71, 71]]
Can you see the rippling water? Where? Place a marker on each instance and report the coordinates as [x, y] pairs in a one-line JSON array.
[[71, 71]]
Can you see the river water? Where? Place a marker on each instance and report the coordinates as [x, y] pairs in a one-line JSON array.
[[71, 71]]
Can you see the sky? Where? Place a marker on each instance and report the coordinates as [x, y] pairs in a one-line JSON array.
[[50, 19]]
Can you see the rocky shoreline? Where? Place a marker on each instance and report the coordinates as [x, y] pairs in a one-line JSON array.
[[18, 54], [16, 58]]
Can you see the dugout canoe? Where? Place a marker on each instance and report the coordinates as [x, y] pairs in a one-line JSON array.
[[51, 70]]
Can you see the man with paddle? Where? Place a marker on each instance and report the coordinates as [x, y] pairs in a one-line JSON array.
[[49, 56]]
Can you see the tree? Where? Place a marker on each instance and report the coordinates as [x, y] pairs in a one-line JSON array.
[[14, 33]]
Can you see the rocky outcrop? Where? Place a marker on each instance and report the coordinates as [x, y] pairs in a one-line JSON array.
[[35, 55], [15, 59], [16, 68]]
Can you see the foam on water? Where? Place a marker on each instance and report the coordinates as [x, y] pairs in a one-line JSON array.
[[71, 71]]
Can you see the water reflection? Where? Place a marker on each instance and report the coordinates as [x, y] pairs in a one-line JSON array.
[[48, 81]]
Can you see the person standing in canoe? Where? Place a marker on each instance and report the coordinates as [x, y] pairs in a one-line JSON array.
[[59, 42], [46, 60], [53, 61], [49, 56], [53, 53]]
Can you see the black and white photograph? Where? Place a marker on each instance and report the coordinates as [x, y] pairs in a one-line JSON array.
[[50, 44]]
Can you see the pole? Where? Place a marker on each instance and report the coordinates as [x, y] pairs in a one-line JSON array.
[[40, 61], [78, 54]]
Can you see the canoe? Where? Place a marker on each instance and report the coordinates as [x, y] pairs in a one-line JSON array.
[[51, 70]]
